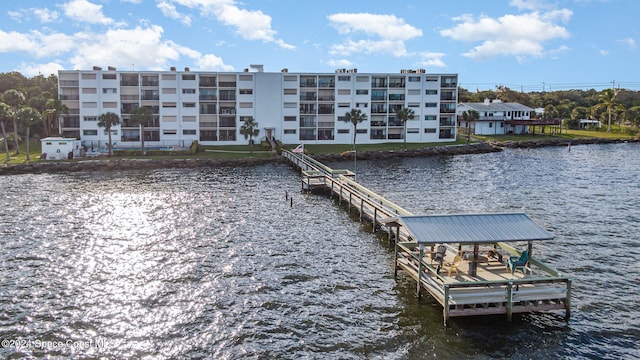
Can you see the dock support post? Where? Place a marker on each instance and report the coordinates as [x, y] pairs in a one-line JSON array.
[[350, 197], [419, 270], [395, 262], [361, 208], [567, 302], [445, 310], [375, 216], [509, 300]]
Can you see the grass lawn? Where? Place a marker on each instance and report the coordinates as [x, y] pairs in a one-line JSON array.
[[34, 153]]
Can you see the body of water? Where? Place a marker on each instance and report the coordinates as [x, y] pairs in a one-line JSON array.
[[216, 263]]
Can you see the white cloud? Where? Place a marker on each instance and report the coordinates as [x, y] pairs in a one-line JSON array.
[[340, 63], [431, 59], [45, 70], [211, 62], [530, 4], [45, 15], [383, 34], [15, 16], [629, 42], [603, 52], [248, 24], [520, 36], [169, 10], [85, 11], [35, 43]]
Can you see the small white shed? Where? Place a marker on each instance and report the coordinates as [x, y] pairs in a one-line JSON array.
[[58, 148]]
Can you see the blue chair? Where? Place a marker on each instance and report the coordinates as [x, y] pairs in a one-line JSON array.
[[520, 262]]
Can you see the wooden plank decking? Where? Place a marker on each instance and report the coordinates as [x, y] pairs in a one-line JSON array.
[[490, 289]]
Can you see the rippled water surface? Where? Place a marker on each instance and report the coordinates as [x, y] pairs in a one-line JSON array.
[[216, 263]]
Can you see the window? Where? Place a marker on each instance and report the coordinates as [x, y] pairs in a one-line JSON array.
[[189, 119], [432, 78], [290, 118], [247, 91], [362, 105], [89, 132], [90, 76], [188, 132], [169, 132], [109, 91], [413, 92], [246, 77], [110, 104], [344, 105], [246, 105], [414, 105], [430, 118], [431, 105], [344, 78], [89, 91], [189, 104], [168, 104], [290, 78], [429, 130], [414, 78], [108, 76], [168, 90], [290, 105], [362, 91], [490, 124], [362, 79], [188, 76], [188, 91], [361, 131], [169, 118], [289, 131], [168, 76], [344, 92], [89, 105], [431, 92], [343, 131], [90, 118], [290, 91], [413, 131]]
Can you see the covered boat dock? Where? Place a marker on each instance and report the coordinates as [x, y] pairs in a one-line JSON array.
[[463, 261]]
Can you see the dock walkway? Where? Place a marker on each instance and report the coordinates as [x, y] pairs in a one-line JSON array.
[[472, 278]]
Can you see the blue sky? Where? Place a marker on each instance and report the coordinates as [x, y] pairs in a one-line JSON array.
[[529, 45]]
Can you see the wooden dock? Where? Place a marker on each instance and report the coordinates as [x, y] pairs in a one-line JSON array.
[[480, 245]]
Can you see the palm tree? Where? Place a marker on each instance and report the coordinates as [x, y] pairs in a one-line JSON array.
[[108, 120], [404, 115], [53, 109], [249, 129], [355, 117], [5, 113], [28, 116], [607, 99], [14, 99], [469, 116], [141, 116]]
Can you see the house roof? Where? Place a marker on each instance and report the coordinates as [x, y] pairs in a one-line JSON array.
[[473, 228], [497, 106]]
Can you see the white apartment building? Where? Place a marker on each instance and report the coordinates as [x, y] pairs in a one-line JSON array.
[[290, 107]]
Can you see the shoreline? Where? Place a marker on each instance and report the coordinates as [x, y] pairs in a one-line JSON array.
[[94, 165]]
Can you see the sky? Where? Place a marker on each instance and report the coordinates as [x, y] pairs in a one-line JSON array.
[[526, 45]]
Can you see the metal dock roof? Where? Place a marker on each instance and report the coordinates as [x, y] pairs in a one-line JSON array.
[[473, 228]]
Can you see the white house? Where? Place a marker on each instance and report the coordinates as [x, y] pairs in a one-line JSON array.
[[496, 117], [58, 148]]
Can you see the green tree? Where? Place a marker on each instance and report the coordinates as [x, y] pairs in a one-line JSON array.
[[5, 114], [607, 100], [107, 121], [404, 115], [15, 99], [633, 115], [469, 116], [51, 114], [141, 116], [355, 117], [27, 117], [249, 129]]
